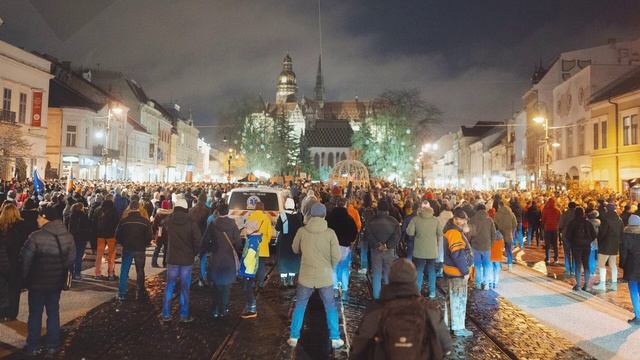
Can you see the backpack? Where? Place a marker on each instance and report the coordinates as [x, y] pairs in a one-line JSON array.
[[405, 331]]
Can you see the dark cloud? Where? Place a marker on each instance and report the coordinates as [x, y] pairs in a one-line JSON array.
[[472, 59]]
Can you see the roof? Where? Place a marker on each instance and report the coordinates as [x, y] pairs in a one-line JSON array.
[[625, 84], [136, 125], [63, 96], [479, 129], [332, 134]]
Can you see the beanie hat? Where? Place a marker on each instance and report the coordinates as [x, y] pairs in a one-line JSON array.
[[289, 204], [634, 220], [180, 201], [402, 271], [460, 214], [383, 206], [611, 207], [318, 210]]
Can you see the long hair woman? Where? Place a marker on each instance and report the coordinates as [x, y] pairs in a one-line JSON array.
[[12, 237]]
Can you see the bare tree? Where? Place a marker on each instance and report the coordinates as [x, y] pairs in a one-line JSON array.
[[12, 145]]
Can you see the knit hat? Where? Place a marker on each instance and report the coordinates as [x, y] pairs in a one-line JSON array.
[[383, 206], [611, 207], [460, 214], [180, 201], [318, 210], [289, 204], [402, 271], [634, 220]]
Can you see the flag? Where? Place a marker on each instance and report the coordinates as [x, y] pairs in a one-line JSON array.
[[70, 184], [38, 185]]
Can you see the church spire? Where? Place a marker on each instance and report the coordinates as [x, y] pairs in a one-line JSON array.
[[319, 89]]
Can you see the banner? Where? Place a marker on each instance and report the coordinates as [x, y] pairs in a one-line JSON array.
[[36, 109]]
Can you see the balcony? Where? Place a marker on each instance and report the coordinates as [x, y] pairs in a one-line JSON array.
[[8, 116], [111, 153]]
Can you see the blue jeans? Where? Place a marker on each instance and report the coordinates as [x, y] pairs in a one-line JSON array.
[[341, 273], [482, 262], [430, 266], [507, 251], [593, 261], [203, 266], [364, 254], [410, 245], [38, 302], [494, 277], [634, 293], [380, 266], [517, 236], [569, 266], [77, 264], [183, 273], [302, 298], [127, 259]]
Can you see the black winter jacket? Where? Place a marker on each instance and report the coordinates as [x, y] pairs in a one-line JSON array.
[[343, 224], [580, 233], [134, 232], [106, 220], [630, 253], [184, 238], [610, 234], [43, 267], [80, 227], [382, 229]]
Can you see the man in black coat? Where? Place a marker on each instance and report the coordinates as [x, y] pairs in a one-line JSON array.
[[134, 233], [106, 221], [46, 257], [382, 233], [580, 233], [345, 228]]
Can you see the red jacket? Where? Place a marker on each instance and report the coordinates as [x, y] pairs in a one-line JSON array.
[[551, 216]]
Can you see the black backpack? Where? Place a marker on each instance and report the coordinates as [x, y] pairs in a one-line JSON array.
[[405, 331]]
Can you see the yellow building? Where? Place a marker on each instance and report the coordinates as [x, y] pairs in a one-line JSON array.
[[615, 111]]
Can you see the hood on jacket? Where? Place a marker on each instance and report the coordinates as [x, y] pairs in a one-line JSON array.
[[504, 210], [550, 203], [398, 290], [425, 212], [180, 216], [316, 225]]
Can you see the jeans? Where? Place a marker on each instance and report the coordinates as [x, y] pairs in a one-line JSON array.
[[156, 254], [410, 245], [111, 244], [222, 294], [262, 271], [203, 267], [634, 293], [517, 236], [341, 273], [531, 231], [364, 254], [77, 263], [38, 302], [249, 288], [494, 277], [380, 266], [508, 252], [593, 261], [183, 273], [581, 261], [482, 263], [430, 266], [302, 298], [569, 264], [457, 302], [127, 258], [551, 241]]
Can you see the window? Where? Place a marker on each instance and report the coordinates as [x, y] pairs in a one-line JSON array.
[[630, 130], [581, 140], [569, 142], [152, 150], [71, 135], [22, 114], [596, 134], [603, 131], [6, 99]]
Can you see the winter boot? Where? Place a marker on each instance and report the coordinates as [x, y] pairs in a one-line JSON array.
[[614, 277], [600, 286]]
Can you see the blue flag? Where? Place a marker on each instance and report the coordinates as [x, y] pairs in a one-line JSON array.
[[38, 185]]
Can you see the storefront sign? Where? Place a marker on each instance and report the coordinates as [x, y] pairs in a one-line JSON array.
[[36, 109]]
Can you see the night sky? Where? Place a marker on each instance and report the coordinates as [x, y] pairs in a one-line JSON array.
[[473, 59]]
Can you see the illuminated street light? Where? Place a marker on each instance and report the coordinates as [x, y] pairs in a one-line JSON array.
[[555, 145], [116, 110], [99, 135], [539, 119]]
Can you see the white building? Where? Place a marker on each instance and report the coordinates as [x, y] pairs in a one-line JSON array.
[[186, 146], [203, 164], [24, 86]]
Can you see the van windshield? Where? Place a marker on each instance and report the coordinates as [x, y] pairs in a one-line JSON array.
[[246, 200]]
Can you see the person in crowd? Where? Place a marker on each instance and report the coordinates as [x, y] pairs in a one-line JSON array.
[[95, 205], [551, 224], [592, 217], [353, 209], [106, 222], [516, 209], [82, 231], [626, 213], [222, 241], [382, 233], [609, 238], [407, 242], [497, 251], [580, 234], [483, 232], [308, 201], [121, 201], [506, 222], [533, 216], [249, 266], [141, 209], [427, 233], [320, 252], [458, 261], [367, 213], [345, 228], [446, 214], [199, 214], [264, 222], [29, 214], [566, 218], [46, 257], [134, 234], [407, 315], [161, 236], [13, 234], [183, 244], [287, 226], [630, 263]]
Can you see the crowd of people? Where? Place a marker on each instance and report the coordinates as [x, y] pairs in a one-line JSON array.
[[400, 237]]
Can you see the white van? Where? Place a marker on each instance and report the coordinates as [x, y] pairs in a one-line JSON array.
[[242, 202]]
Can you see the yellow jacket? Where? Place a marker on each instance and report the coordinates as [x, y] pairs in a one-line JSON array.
[[264, 222]]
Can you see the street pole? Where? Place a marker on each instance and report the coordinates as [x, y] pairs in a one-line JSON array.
[[422, 171], [547, 153], [229, 169]]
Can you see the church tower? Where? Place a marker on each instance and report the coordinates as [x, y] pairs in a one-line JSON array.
[[287, 86], [319, 89]]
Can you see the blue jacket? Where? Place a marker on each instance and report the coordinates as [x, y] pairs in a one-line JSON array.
[[250, 258], [120, 204]]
